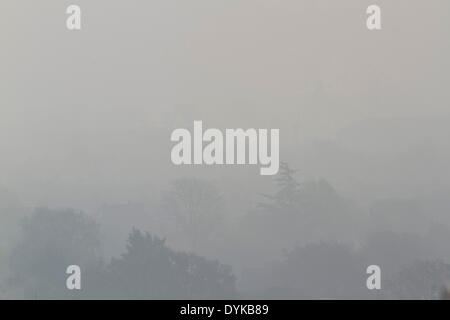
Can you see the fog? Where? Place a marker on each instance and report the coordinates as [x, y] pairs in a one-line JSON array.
[[87, 179]]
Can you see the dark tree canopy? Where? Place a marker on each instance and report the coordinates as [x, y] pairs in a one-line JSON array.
[[52, 240], [149, 269]]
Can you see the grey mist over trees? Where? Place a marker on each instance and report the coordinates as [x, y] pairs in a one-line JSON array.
[[86, 177]]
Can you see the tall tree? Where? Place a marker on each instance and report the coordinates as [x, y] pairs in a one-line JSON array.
[[287, 195], [197, 205]]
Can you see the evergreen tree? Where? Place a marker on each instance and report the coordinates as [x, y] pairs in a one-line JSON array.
[[287, 196]]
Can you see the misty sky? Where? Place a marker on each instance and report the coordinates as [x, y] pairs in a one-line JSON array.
[[93, 110]]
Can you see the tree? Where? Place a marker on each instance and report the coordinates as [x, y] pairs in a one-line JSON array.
[[51, 241], [313, 271], [197, 205], [149, 269], [300, 212], [287, 196], [11, 211], [420, 280]]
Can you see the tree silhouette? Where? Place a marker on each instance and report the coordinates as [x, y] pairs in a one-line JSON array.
[[420, 280], [197, 206], [287, 196], [11, 211], [149, 269], [51, 241]]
